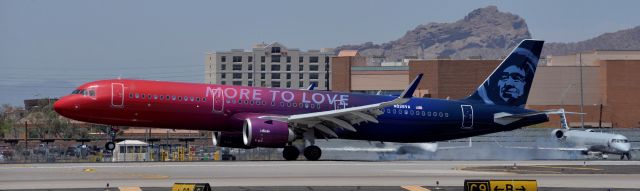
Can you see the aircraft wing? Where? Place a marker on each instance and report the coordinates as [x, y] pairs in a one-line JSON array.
[[505, 118], [327, 121]]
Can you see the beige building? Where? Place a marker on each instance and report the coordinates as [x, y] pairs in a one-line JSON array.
[[272, 65]]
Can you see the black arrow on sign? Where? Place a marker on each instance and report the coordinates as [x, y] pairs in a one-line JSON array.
[[497, 189], [522, 188]]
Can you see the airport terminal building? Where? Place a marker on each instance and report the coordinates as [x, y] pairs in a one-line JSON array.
[[270, 65], [607, 79]]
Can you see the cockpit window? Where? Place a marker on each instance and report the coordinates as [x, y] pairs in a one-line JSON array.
[[619, 141]]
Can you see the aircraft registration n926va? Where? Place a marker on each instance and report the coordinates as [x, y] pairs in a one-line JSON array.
[[249, 117]]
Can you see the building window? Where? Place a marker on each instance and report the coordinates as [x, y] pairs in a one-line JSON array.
[[313, 67], [301, 67], [237, 67], [250, 59], [275, 58], [250, 75], [275, 49], [262, 59], [275, 67], [275, 84], [288, 59], [301, 76], [313, 59], [223, 82], [301, 84], [223, 59], [262, 76], [288, 84], [301, 59], [275, 76], [237, 75], [223, 67], [262, 67], [223, 75], [288, 76], [250, 83], [313, 76], [326, 60], [237, 58], [250, 67], [288, 67], [237, 83]]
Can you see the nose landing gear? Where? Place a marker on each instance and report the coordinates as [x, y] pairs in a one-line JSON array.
[[112, 131]]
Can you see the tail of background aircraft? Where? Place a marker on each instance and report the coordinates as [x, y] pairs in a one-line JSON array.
[[510, 83]]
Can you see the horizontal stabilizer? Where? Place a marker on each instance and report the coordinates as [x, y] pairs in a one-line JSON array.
[[504, 118]]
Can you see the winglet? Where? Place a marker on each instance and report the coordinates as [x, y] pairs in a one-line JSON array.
[[408, 93]]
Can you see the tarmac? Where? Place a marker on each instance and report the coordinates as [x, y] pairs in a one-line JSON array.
[[319, 175]]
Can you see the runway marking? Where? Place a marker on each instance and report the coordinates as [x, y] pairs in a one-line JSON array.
[[88, 170], [414, 188], [129, 189]]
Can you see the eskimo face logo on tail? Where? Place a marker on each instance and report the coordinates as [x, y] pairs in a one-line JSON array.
[[510, 83]]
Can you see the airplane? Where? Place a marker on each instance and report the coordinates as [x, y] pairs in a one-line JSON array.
[[588, 142], [250, 117]]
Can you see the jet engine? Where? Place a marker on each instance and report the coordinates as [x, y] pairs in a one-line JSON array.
[[228, 139], [258, 132], [558, 133]]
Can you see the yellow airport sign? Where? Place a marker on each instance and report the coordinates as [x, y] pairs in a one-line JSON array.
[[500, 185], [191, 187]]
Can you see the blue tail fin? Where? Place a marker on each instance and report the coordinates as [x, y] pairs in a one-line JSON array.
[[510, 83]]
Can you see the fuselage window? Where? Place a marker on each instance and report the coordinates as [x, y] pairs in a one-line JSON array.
[[180, 99], [424, 113], [204, 99], [295, 104], [130, 94], [313, 105], [191, 99], [186, 98], [388, 110], [428, 113], [440, 114], [288, 104], [306, 105], [92, 93], [197, 99], [137, 95], [251, 102], [161, 97], [301, 105], [273, 103], [173, 98], [142, 96], [406, 112], [246, 101], [155, 96], [411, 112], [394, 111], [281, 104], [446, 114]]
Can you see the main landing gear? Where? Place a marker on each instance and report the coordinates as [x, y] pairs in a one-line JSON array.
[[111, 144], [625, 154], [311, 153]]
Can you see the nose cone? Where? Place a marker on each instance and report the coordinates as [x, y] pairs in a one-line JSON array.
[[622, 147], [62, 107]]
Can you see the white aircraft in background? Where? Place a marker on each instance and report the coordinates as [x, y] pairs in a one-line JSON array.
[[588, 142]]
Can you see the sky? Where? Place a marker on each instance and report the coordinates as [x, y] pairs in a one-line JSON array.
[[49, 47]]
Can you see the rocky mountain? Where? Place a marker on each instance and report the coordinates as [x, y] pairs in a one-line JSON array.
[[628, 39], [484, 32]]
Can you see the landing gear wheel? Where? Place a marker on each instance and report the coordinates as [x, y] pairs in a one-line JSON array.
[[625, 154], [110, 146], [290, 153], [312, 153]]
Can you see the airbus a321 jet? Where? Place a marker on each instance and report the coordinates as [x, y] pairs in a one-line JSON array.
[[249, 117]]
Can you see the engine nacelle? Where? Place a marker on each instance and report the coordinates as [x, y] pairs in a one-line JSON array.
[[229, 139], [258, 132], [558, 133]]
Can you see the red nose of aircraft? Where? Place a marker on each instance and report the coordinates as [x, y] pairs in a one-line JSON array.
[[63, 106]]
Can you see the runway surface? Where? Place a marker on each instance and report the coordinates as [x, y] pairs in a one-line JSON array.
[[306, 173]]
